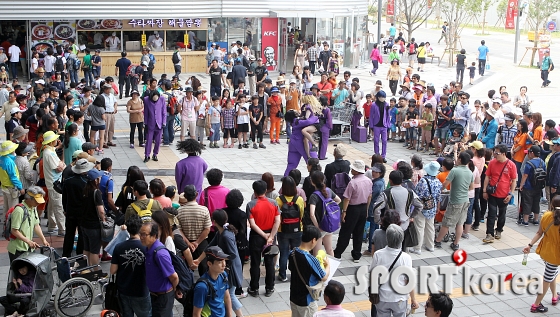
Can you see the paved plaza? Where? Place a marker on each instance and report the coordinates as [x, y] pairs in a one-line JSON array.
[[242, 167]]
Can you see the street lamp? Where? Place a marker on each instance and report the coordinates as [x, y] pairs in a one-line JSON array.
[[351, 50], [519, 14]]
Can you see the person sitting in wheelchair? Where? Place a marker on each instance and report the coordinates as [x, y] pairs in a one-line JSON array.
[[22, 283]]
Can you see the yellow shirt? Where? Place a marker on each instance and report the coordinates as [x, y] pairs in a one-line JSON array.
[[422, 51], [299, 202], [548, 247]]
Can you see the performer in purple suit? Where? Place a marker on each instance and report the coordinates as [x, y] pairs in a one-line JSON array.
[[154, 122], [326, 126], [380, 121], [295, 149]]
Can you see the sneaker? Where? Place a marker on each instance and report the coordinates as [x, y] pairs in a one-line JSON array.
[[132, 146], [415, 251], [51, 231], [498, 235], [253, 293], [282, 278], [154, 157], [523, 223], [356, 260], [437, 245], [454, 246], [481, 220], [165, 144], [269, 292], [536, 222], [240, 146], [255, 146], [262, 146], [106, 258], [142, 145], [242, 295], [465, 235], [538, 309], [246, 145], [475, 228], [429, 249], [367, 253], [489, 238]]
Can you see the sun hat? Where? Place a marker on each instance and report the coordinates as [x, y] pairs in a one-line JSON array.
[[93, 173], [396, 163], [19, 131], [274, 89], [491, 112], [359, 166], [88, 157], [82, 166], [76, 153], [497, 100], [135, 92], [7, 147], [217, 252], [477, 145], [406, 85], [418, 87], [49, 137], [432, 168], [281, 79]]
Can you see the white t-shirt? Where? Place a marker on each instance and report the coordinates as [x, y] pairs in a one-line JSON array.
[[507, 107], [215, 114], [34, 65], [113, 43], [243, 118], [157, 43], [98, 39], [49, 63], [14, 53], [98, 83], [170, 245]]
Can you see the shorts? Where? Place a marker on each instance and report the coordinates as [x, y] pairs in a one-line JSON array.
[[441, 133], [412, 133], [98, 128], [92, 240], [229, 133], [393, 127], [229, 76], [188, 125], [455, 214], [242, 127], [411, 57], [550, 272], [421, 60]]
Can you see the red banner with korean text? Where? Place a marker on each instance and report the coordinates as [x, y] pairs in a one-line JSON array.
[[511, 14], [270, 42], [391, 7]]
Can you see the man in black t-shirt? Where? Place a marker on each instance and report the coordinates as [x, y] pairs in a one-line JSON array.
[[121, 66], [260, 71], [129, 263], [215, 78], [306, 270]]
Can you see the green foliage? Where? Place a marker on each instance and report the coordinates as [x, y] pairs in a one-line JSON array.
[[539, 11], [414, 13], [502, 7]]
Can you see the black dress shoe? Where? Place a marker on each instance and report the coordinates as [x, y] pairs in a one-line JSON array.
[[146, 159], [155, 158]]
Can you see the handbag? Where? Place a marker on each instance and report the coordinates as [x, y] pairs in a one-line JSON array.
[[107, 229], [316, 290], [374, 298], [111, 296], [280, 114], [57, 186], [410, 236], [429, 202], [492, 189], [201, 122]]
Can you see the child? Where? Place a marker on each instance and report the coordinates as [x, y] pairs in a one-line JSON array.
[[450, 145], [411, 132], [256, 112], [228, 120], [3, 75], [241, 90], [472, 68], [427, 127], [401, 117], [367, 108], [311, 108], [22, 283], [59, 83], [213, 119], [171, 192], [393, 112], [14, 121], [242, 121]]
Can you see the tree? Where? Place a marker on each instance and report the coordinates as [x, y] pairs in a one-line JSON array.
[[414, 14], [501, 11], [458, 13], [539, 11], [485, 6]]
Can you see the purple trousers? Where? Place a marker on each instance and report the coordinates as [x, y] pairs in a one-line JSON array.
[[324, 142], [152, 134], [295, 152], [380, 132]]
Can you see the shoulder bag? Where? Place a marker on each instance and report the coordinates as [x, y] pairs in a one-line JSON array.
[[107, 227], [374, 298], [316, 290], [429, 202], [490, 190]]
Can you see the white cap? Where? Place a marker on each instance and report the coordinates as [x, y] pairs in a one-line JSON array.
[[15, 110], [113, 34]]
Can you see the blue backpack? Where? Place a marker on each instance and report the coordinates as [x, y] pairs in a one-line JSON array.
[[331, 214]]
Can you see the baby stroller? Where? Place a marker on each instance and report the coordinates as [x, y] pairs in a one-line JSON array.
[[453, 138], [388, 45], [75, 280], [444, 200]]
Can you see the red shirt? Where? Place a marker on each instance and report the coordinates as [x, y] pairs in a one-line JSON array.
[[494, 171], [367, 108], [263, 211]]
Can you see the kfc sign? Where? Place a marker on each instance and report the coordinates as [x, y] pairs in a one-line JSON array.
[[269, 42], [269, 33]]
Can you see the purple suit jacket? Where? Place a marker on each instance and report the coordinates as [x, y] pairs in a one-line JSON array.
[[374, 115], [154, 113]]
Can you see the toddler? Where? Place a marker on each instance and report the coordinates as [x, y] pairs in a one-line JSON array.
[[3, 75], [472, 68], [22, 283], [367, 108], [242, 121], [393, 112], [228, 123]]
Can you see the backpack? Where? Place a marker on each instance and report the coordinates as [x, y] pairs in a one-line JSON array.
[[331, 214], [7, 233], [411, 48], [539, 176], [390, 203], [59, 64], [175, 58], [77, 64], [339, 183], [70, 63], [152, 62], [186, 275], [290, 215], [28, 113], [146, 214], [188, 301], [131, 71], [171, 104]]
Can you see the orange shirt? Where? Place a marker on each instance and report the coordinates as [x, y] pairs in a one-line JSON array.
[[293, 103], [537, 134], [519, 141], [442, 176]]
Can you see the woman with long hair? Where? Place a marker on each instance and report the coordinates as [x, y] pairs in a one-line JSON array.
[[225, 98], [536, 134], [519, 147], [549, 231], [316, 211], [238, 218], [394, 76], [191, 169], [165, 232], [334, 63], [72, 143], [97, 114], [93, 213], [126, 196], [296, 75], [312, 166], [271, 192], [306, 78], [299, 56]]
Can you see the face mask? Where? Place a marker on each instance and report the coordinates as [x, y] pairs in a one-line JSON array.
[[381, 99], [155, 98]]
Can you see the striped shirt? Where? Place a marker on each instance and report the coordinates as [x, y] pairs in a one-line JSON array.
[[193, 219], [507, 135], [312, 54]]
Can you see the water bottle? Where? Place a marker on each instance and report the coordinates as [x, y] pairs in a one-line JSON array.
[[525, 256]]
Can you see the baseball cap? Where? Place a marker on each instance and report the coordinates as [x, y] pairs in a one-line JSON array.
[[16, 110], [87, 146], [535, 149], [217, 252], [556, 141]]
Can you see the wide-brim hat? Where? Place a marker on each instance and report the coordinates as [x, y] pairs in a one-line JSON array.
[[40, 70], [432, 168], [49, 137], [418, 87], [7, 147], [82, 166], [270, 250], [406, 85], [359, 166], [19, 131], [491, 112]]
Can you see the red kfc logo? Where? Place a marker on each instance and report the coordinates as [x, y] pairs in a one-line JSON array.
[[269, 33]]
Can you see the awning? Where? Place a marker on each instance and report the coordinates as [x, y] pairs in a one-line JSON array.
[[301, 14]]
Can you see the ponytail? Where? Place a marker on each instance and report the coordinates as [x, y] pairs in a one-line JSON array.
[[318, 179]]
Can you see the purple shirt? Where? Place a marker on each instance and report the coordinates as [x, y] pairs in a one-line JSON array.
[[154, 113], [374, 115], [158, 270], [190, 171]]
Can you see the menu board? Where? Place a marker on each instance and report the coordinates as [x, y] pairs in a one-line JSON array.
[[45, 33], [155, 24], [107, 24]]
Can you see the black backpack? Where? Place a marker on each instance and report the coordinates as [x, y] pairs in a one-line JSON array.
[[186, 275], [175, 58], [59, 64], [188, 298], [290, 215], [539, 175]]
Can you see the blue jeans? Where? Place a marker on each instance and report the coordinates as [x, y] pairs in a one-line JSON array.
[[286, 242], [235, 303], [141, 306], [519, 172], [168, 130], [74, 76], [372, 227], [215, 91], [13, 69], [89, 77], [96, 72], [216, 136], [469, 212], [288, 129]]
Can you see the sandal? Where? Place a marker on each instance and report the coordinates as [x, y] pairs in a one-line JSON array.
[[554, 301], [231, 146]]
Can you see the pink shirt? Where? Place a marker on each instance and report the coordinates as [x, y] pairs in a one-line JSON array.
[[165, 202], [216, 198], [358, 190], [334, 311]]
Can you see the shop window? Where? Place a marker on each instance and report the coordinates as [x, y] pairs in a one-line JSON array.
[[175, 38], [132, 41], [246, 31], [218, 31], [200, 39], [101, 40]]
